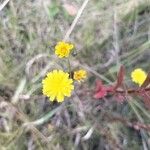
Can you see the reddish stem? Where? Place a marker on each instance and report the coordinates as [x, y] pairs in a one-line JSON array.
[[132, 91]]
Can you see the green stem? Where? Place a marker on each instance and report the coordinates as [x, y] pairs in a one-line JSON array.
[[69, 66]]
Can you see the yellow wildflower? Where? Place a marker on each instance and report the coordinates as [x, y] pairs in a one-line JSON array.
[[138, 76], [57, 85], [62, 49], [79, 75]]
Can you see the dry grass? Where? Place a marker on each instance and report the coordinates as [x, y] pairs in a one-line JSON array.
[[108, 33]]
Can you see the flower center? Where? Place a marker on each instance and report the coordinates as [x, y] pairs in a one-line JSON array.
[[58, 85], [63, 50]]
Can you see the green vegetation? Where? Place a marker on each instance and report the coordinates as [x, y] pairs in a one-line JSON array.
[[107, 35]]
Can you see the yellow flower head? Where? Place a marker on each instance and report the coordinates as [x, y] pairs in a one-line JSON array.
[[138, 76], [57, 85], [62, 49], [79, 75]]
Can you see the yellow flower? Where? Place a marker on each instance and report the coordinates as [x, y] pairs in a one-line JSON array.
[[57, 85], [62, 49], [79, 75], [138, 76]]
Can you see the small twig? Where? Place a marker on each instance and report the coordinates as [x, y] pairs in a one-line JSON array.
[[75, 20], [4, 4]]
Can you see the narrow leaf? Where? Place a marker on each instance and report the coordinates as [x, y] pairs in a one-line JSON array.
[[147, 81], [120, 77]]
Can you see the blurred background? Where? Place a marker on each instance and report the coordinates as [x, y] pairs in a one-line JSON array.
[[107, 34]]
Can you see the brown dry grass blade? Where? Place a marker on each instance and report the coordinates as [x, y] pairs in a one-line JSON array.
[[146, 99], [120, 77], [147, 81]]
